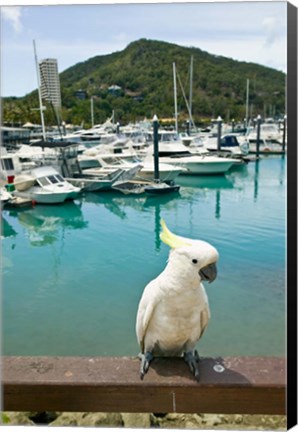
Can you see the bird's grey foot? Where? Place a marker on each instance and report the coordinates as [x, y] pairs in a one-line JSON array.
[[192, 359], [146, 359]]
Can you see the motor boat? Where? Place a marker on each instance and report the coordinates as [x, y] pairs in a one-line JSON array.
[[44, 185], [202, 164]]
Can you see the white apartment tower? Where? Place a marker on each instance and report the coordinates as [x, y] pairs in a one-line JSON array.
[[49, 82]]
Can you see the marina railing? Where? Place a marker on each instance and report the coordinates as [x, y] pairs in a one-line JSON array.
[[230, 385]]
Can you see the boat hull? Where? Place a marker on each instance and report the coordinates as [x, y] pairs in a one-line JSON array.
[[164, 176], [153, 190], [41, 197], [203, 166], [207, 169], [90, 185]]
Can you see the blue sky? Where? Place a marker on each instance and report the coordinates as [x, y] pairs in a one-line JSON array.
[[71, 33]]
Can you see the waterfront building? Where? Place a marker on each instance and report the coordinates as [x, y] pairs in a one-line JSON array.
[[50, 82]]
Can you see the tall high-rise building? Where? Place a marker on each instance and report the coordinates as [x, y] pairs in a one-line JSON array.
[[50, 82]]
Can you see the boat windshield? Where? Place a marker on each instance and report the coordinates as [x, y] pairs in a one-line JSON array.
[[165, 137], [269, 128], [112, 161], [52, 179]]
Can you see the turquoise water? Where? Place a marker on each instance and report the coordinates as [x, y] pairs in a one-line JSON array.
[[73, 274]]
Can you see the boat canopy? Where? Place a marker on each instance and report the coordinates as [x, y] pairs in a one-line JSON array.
[[229, 141]]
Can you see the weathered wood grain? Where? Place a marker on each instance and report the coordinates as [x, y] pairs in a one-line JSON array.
[[255, 385]]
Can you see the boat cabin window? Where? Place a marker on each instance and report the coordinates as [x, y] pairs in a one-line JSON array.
[[269, 128], [53, 179], [112, 161], [168, 137], [7, 164], [59, 178], [43, 181], [229, 141]]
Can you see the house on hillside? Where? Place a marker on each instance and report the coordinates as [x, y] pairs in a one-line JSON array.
[[114, 89]]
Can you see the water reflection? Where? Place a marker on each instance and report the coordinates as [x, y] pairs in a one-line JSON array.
[[217, 205], [118, 203], [256, 180], [206, 182], [7, 229], [282, 170], [221, 208], [44, 223]]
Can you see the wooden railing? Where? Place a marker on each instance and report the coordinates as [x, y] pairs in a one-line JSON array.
[[246, 385]]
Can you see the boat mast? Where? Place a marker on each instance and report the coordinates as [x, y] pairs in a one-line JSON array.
[[186, 102], [175, 97], [190, 86], [39, 94], [92, 112], [247, 101]]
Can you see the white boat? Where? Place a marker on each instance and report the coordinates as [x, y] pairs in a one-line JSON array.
[[63, 157], [5, 197], [200, 164], [269, 133], [107, 162], [194, 160], [10, 165], [96, 179], [169, 143], [232, 144], [138, 187], [44, 185], [90, 138]]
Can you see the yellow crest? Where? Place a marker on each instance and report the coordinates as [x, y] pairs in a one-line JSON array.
[[171, 239]]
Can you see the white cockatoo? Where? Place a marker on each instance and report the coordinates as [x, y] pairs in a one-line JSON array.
[[173, 311]]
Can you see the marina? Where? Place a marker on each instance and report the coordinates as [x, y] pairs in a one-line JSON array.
[[83, 202], [145, 214], [73, 273]]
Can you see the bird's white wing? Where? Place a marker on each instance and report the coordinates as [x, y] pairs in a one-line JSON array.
[[205, 316], [146, 308]]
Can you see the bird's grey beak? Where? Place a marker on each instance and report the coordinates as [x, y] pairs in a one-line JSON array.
[[208, 273]]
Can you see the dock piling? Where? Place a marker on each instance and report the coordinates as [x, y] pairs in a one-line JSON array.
[[259, 120], [219, 123]]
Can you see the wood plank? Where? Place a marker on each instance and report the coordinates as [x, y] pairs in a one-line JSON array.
[[255, 385]]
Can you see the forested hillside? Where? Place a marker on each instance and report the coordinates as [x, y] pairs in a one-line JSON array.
[[138, 82]]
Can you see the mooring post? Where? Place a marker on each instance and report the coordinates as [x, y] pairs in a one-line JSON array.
[[155, 147], [219, 123], [284, 134], [64, 128], [259, 120], [188, 127]]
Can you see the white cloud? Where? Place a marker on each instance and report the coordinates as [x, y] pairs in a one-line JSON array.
[[12, 14], [271, 27]]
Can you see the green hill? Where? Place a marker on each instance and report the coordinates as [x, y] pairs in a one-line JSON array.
[[138, 82]]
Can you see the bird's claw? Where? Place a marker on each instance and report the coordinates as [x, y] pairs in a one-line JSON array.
[[145, 362], [192, 359]]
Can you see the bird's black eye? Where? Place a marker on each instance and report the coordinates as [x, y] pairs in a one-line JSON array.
[[195, 261]]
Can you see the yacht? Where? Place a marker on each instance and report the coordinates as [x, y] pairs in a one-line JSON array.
[[109, 157], [269, 133], [202, 164], [193, 160], [231, 144], [44, 185]]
